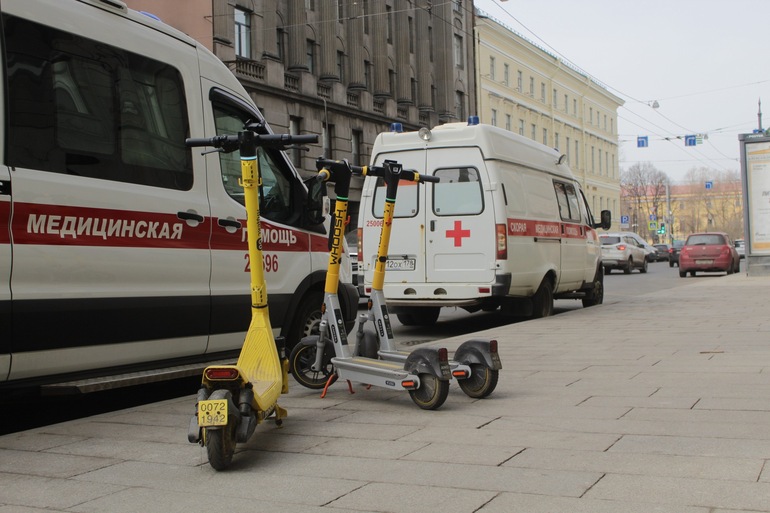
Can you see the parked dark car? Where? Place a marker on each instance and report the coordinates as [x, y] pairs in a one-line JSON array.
[[673, 253], [709, 252], [662, 252]]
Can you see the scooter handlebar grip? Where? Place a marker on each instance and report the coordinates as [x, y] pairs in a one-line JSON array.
[[199, 141]]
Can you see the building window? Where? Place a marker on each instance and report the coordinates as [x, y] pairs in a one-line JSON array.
[[457, 5], [328, 138], [507, 121], [521, 127], [556, 140], [519, 81], [356, 142], [492, 68], [590, 115], [545, 136], [458, 51], [242, 33], [389, 17], [574, 107], [534, 132], [296, 151], [506, 74], [280, 45], [577, 153], [532, 86], [340, 11], [366, 16], [600, 162], [566, 103], [410, 23], [392, 82], [555, 99], [459, 105], [494, 117], [542, 92], [566, 145], [368, 75], [310, 55], [310, 5]]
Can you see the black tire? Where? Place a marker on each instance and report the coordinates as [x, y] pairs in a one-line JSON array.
[[682, 274], [730, 269], [220, 445], [643, 269], [628, 267], [302, 358], [420, 316], [542, 301], [670, 263], [607, 270], [307, 318], [596, 296], [482, 382], [432, 392]]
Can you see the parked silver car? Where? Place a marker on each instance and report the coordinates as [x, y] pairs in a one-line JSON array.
[[620, 251]]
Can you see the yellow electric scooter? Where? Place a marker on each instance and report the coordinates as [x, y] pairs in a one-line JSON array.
[[234, 399]]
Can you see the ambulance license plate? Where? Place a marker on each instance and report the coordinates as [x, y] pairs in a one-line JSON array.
[[400, 264], [212, 412]]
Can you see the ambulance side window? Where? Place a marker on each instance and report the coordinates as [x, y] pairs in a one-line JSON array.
[[567, 199], [589, 218], [84, 108], [277, 194], [458, 193]]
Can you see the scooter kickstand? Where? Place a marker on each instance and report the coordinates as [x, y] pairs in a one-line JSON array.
[[331, 380]]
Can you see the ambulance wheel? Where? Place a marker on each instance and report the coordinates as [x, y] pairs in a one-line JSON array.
[[596, 296], [432, 392], [307, 319], [542, 301], [482, 382], [301, 360], [220, 446]]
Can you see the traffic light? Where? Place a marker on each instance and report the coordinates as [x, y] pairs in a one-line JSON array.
[[662, 229]]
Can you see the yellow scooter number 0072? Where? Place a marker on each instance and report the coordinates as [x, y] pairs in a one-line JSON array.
[[212, 412]]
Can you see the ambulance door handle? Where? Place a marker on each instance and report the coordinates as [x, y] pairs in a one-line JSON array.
[[190, 216], [433, 226], [229, 223]]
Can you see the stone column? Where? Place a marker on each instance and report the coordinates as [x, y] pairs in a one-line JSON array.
[[270, 29], [403, 67], [328, 29], [379, 29], [424, 66], [355, 45], [297, 41]]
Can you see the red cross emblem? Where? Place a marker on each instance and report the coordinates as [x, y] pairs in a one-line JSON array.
[[458, 233]]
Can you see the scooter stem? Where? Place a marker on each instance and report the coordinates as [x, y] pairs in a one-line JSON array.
[[250, 180]]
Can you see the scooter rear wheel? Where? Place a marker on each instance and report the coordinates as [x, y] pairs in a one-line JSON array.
[[220, 446], [432, 392], [482, 382], [300, 362]]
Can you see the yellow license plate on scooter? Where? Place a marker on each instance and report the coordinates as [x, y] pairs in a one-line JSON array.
[[212, 412]]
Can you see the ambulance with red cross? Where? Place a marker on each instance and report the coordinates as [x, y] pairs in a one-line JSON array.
[[123, 252], [507, 227]]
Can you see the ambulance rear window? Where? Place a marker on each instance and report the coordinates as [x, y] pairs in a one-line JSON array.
[[458, 193], [407, 200]]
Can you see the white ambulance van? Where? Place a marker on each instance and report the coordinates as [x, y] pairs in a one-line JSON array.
[[506, 227], [121, 248]]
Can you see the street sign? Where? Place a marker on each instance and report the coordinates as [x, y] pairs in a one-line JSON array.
[[642, 142], [624, 219], [709, 185], [690, 140], [653, 217], [653, 225]]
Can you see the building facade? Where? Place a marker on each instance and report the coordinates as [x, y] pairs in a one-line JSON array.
[[340, 69], [525, 89]]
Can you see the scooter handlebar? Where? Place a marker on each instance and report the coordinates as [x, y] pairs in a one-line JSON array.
[[228, 143], [392, 168]]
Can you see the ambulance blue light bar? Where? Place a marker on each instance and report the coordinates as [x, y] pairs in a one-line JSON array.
[[396, 127], [473, 120]]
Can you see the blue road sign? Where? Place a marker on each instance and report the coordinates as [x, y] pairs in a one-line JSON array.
[[690, 140], [623, 219], [642, 142], [709, 184]]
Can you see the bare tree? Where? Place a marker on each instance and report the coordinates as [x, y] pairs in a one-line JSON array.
[[718, 208], [643, 187]]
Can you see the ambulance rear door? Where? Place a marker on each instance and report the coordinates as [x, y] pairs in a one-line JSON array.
[[460, 235], [406, 263], [5, 270]]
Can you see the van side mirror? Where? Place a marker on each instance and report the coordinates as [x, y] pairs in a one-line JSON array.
[[315, 206], [606, 220]]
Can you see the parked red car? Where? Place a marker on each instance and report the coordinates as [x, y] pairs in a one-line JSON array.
[[712, 251]]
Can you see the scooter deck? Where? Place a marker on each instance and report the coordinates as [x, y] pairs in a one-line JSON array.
[[374, 372]]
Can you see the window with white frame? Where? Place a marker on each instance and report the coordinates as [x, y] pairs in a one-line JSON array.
[[242, 33]]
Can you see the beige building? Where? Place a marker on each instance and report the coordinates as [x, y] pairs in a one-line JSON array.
[[525, 89], [342, 70]]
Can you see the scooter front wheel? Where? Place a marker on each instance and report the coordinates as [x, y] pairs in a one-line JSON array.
[[220, 445], [482, 382], [432, 392], [301, 361]]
